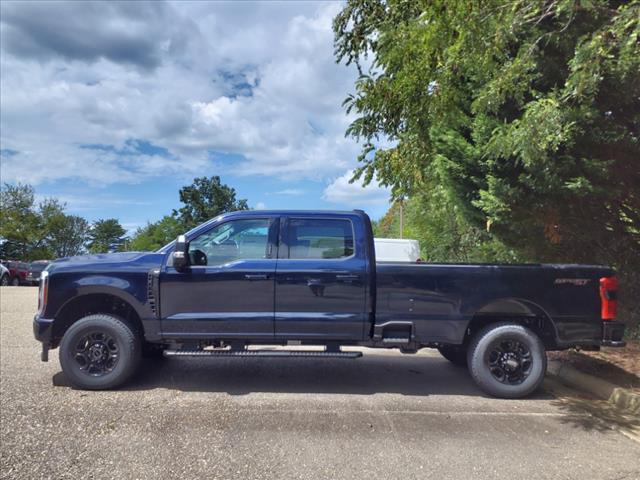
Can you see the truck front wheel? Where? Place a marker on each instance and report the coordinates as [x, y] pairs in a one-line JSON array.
[[507, 360], [99, 352]]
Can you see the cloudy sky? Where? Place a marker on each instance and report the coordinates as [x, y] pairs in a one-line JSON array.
[[111, 107]]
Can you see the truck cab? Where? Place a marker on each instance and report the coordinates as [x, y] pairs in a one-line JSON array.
[[267, 276]]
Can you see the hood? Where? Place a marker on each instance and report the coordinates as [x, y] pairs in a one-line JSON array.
[[143, 260], [102, 257]]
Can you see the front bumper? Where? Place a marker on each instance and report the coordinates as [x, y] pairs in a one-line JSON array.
[[43, 331], [612, 334]]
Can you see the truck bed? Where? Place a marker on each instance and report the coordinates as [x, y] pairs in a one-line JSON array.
[[441, 299]]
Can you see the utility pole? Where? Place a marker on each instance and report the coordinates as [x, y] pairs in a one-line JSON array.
[[401, 215]]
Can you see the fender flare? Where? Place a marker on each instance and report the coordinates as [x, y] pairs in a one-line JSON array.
[[106, 287], [515, 307]]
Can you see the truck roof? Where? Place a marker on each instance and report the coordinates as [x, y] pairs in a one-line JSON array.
[[292, 212]]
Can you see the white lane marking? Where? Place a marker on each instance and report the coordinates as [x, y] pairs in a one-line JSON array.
[[412, 412]]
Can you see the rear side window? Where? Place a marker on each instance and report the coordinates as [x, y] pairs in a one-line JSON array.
[[320, 238]]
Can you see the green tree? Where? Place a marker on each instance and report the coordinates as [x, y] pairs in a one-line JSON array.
[[204, 199], [153, 236], [30, 231], [68, 235], [18, 220], [106, 235], [444, 234], [50, 214], [526, 113]]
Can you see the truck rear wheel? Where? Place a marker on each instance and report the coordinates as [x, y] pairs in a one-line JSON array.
[[456, 355], [99, 352], [507, 360]]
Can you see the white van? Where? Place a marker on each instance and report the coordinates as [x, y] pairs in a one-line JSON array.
[[396, 250]]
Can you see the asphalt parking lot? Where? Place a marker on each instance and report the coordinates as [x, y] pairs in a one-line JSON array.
[[382, 416]]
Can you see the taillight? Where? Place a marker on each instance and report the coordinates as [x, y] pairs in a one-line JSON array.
[[608, 297], [43, 292]]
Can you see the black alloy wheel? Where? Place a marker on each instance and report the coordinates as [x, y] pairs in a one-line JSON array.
[[100, 352], [507, 360], [97, 353]]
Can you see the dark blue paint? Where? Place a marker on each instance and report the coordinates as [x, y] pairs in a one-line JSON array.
[[326, 299], [219, 301], [441, 299], [322, 298]]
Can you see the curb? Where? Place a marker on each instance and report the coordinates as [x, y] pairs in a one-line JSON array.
[[621, 398]]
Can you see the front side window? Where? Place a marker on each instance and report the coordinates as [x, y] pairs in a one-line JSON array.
[[230, 241], [320, 238]]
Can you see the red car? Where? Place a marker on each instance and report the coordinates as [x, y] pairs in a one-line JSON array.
[[17, 272]]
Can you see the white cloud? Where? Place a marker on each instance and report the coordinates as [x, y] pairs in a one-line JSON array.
[[260, 206], [93, 201], [259, 81], [355, 195], [290, 191]]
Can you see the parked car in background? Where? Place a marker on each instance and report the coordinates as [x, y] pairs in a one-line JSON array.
[[34, 271], [17, 272], [396, 250], [5, 277]]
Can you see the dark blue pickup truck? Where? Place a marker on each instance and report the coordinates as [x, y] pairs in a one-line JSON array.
[[311, 278]]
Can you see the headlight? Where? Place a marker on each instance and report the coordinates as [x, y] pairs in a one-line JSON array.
[[43, 291]]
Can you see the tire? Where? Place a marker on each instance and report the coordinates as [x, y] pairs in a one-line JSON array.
[[15, 282], [455, 354], [4, 281], [494, 352], [107, 338]]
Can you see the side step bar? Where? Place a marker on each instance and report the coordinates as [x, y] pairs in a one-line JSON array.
[[395, 340], [259, 353]]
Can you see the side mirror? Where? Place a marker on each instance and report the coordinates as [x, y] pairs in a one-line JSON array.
[[180, 255]]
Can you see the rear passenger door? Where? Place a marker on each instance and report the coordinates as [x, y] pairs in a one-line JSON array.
[[320, 280]]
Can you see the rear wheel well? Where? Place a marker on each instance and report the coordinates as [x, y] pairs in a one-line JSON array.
[[541, 325], [95, 303]]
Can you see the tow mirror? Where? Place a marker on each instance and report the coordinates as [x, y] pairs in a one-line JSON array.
[[180, 255]]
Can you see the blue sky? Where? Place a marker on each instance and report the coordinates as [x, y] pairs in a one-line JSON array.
[[112, 107]]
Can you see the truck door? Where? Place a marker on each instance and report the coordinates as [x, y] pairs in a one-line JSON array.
[[228, 290], [320, 279]]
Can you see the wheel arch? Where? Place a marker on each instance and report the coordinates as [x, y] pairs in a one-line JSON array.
[[515, 310], [92, 302]]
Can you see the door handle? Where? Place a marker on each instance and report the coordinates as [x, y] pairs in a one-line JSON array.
[[256, 276], [347, 277]]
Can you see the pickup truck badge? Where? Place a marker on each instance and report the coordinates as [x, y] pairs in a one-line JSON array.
[[579, 282]]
